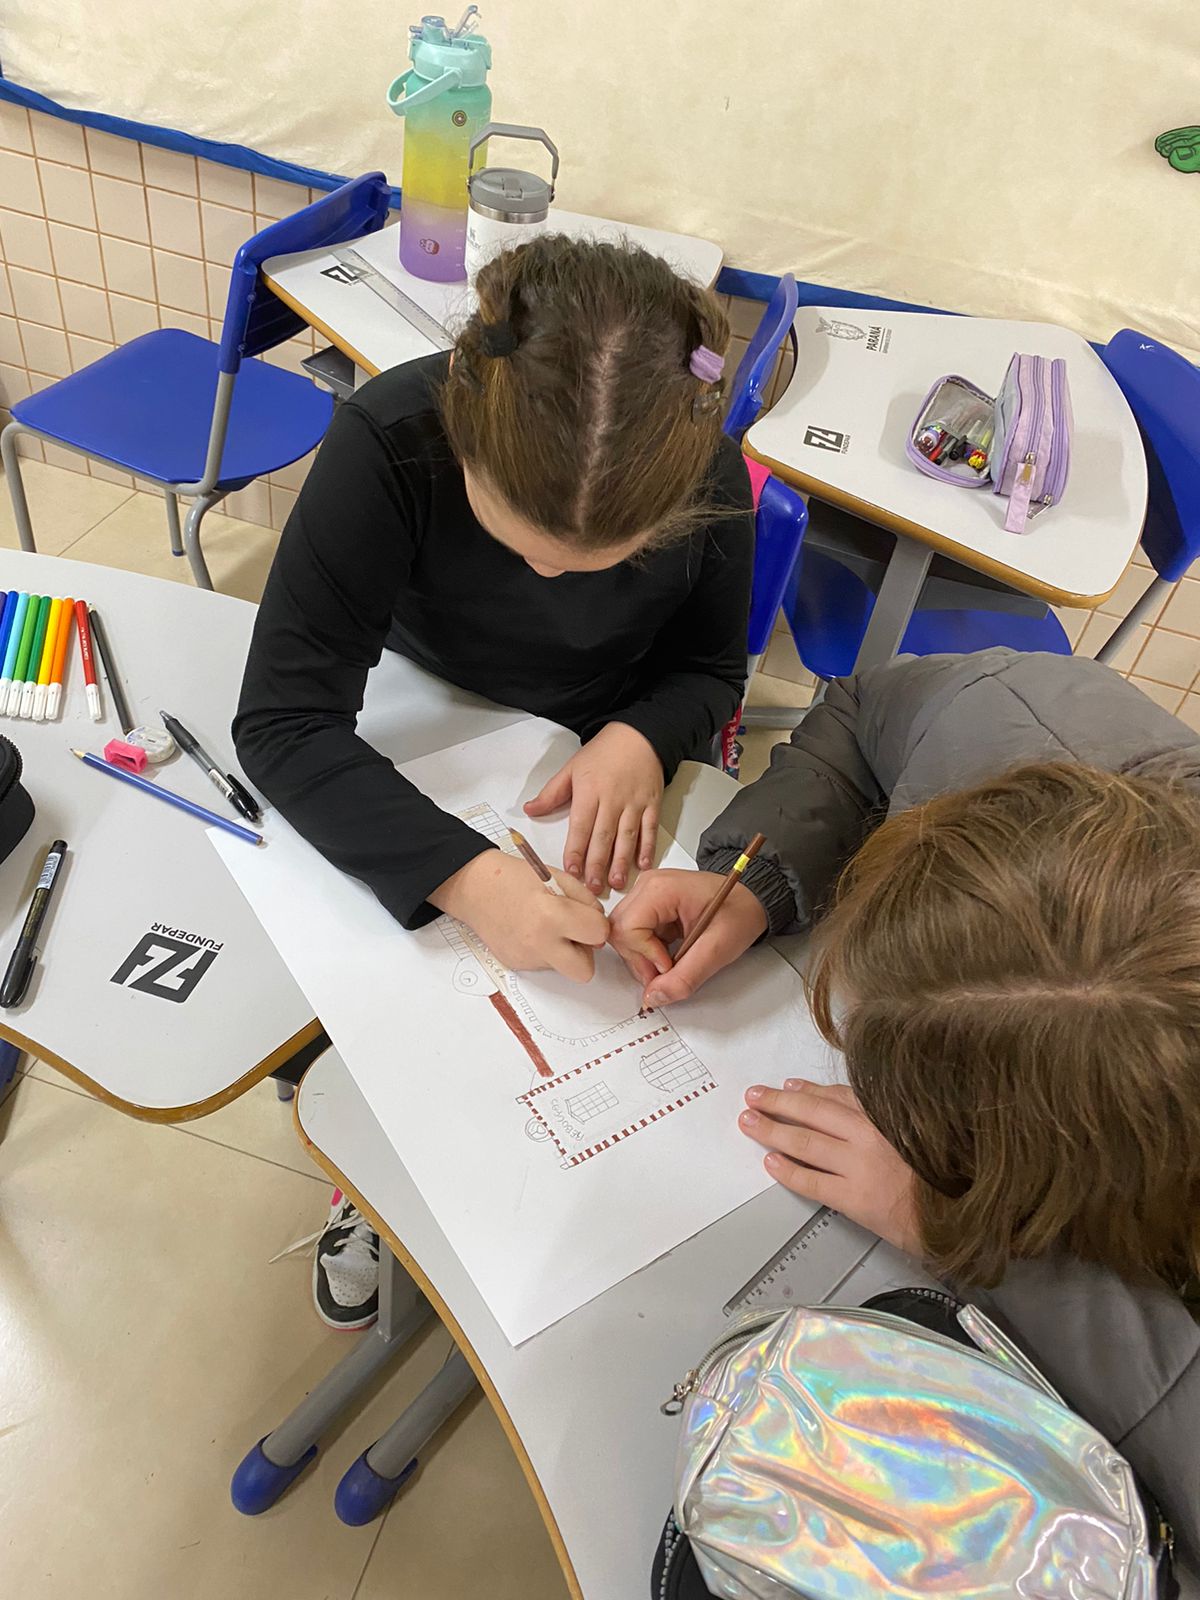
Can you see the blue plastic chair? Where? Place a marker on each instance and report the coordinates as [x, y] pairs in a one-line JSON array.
[[747, 391], [1163, 391], [828, 607], [197, 418], [781, 516]]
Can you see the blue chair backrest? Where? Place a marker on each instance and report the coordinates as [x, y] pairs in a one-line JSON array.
[[1163, 391], [755, 367], [255, 320]]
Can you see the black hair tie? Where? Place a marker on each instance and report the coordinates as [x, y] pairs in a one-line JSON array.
[[497, 339]]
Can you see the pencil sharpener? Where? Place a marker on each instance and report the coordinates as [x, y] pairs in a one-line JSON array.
[[126, 756]]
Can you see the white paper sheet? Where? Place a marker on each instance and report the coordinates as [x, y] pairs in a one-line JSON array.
[[561, 1141]]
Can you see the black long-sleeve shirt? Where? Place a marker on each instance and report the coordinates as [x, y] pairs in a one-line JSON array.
[[383, 550]]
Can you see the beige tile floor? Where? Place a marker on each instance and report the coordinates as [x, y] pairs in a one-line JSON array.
[[145, 1342]]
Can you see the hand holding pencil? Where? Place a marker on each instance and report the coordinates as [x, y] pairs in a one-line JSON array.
[[525, 927], [714, 914]]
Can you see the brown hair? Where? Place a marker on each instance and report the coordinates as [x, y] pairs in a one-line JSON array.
[[1018, 967], [570, 390]]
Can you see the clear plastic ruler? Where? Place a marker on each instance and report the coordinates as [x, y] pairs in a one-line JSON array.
[[829, 1258], [810, 1268], [354, 268]]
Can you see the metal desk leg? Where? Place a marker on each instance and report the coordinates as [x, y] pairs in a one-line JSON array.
[[278, 1460], [380, 1472], [895, 602]]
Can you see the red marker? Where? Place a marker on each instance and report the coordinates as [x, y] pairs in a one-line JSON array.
[[89, 665]]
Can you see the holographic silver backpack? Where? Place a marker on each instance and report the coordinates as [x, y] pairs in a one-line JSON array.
[[837, 1453]]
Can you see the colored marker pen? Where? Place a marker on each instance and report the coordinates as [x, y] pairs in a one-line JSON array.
[[19, 671]]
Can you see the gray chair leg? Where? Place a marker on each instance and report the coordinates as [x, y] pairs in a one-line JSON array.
[[173, 527], [191, 535], [1153, 591], [16, 488]]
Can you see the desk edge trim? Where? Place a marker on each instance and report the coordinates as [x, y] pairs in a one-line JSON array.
[[883, 518], [313, 321], [413, 1267], [184, 1113]]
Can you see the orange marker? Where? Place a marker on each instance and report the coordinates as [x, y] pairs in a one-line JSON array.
[[59, 664]]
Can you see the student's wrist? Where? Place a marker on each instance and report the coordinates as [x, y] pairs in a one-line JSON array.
[[766, 881], [460, 891]]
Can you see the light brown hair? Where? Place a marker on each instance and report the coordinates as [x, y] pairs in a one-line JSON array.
[[570, 390], [1013, 973]]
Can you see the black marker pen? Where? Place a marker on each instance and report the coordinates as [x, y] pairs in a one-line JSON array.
[[20, 966]]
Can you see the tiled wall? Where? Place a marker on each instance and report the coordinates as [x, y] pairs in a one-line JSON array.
[[102, 238]]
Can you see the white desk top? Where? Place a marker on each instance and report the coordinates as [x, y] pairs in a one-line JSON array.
[[580, 1401], [866, 381], [358, 322], [134, 862]]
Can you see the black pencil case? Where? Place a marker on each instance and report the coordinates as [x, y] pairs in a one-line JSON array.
[[16, 807]]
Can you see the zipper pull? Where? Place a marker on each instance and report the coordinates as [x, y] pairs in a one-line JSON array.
[[673, 1406], [1018, 500]]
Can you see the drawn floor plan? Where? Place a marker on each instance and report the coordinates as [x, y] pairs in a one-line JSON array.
[[513, 1100], [590, 1089]]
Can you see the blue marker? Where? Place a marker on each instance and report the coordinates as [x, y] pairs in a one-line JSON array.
[[14, 626], [6, 620]]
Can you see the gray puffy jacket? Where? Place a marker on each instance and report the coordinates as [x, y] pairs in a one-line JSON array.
[[1128, 1359]]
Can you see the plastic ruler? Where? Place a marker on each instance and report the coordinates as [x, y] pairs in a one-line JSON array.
[[354, 268], [811, 1267]]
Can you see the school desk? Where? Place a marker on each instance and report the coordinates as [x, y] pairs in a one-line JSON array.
[[374, 336], [156, 987], [838, 433], [580, 1402]]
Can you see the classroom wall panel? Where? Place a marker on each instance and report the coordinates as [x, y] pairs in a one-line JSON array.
[[999, 161]]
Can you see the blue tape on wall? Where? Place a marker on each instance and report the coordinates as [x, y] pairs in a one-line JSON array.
[[229, 155]]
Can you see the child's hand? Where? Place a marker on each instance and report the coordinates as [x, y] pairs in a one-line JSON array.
[[614, 787], [525, 927], [664, 906], [823, 1146]]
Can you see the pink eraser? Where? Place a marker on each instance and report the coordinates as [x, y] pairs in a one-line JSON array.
[[119, 754]]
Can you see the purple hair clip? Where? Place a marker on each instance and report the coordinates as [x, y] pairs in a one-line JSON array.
[[706, 364]]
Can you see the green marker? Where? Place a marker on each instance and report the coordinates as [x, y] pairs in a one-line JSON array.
[[24, 651], [30, 674]]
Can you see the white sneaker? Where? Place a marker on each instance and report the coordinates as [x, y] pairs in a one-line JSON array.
[[346, 1267]]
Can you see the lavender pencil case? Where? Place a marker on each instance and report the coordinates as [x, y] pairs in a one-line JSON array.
[[1018, 444]]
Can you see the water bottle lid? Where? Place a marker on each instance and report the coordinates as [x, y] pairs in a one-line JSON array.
[[434, 55], [506, 194]]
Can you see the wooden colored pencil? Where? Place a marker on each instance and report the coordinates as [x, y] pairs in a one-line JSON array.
[[732, 878], [536, 862]]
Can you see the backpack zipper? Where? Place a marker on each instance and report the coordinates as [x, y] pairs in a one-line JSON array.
[[739, 1330], [673, 1542], [752, 1322]]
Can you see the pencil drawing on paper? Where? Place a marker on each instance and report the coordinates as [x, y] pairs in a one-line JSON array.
[[590, 1090]]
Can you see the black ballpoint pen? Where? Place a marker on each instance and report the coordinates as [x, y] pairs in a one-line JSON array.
[[238, 796], [20, 966]]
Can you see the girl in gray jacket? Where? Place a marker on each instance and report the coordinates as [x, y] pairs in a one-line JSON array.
[[1011, 966]]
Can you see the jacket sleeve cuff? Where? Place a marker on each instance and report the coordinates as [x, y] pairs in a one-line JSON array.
[[411, 908], [766, 882]]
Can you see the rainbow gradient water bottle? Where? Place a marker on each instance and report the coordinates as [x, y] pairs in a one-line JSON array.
[[444, 100]]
